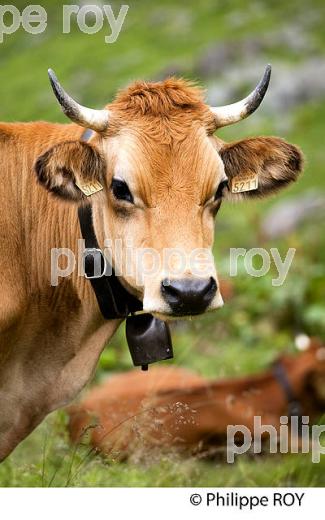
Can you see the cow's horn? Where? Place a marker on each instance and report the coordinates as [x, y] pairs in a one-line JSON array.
[[93, 119], [229, 114]]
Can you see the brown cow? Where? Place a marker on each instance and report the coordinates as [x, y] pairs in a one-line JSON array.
[[171, 407], [162, 175]]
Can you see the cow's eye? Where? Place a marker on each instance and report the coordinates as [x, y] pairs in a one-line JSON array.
[[121, 191], [221, 187]]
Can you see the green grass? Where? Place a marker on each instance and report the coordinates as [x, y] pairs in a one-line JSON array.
[[260, 321], [47, 460]]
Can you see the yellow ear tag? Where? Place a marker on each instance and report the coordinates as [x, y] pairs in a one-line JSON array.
[[244, 182], [89, 188]]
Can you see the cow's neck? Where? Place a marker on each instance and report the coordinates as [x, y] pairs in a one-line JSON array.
[[48, 225], [50, 336]]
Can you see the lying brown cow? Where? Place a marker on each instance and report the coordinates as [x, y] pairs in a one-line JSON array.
[[171, 407], [152, 175]]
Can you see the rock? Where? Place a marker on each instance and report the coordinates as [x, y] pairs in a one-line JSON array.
[[292, 87], [286, 216]]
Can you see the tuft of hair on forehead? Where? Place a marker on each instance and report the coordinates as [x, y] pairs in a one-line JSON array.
[[160, 98]]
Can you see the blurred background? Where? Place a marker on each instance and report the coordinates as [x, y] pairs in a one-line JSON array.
[[224, 46]]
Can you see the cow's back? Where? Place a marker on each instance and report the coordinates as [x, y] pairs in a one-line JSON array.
[[112, 411]]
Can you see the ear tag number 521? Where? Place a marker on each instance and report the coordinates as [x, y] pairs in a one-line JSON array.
[[243, 183]]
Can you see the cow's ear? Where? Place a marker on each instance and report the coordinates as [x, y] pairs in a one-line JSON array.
[[261, 165], [71, 170]]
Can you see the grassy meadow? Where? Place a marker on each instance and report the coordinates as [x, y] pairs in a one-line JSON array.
[[260, 321]]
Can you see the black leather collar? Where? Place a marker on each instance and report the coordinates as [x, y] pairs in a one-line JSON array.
[[294, 405], [114, 301]]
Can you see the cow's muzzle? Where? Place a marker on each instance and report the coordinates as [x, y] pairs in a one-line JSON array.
[[188, 296]]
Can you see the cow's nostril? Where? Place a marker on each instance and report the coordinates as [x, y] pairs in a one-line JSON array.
[[189, 296]]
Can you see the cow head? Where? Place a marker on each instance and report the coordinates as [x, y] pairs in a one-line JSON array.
[[164, 176]]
